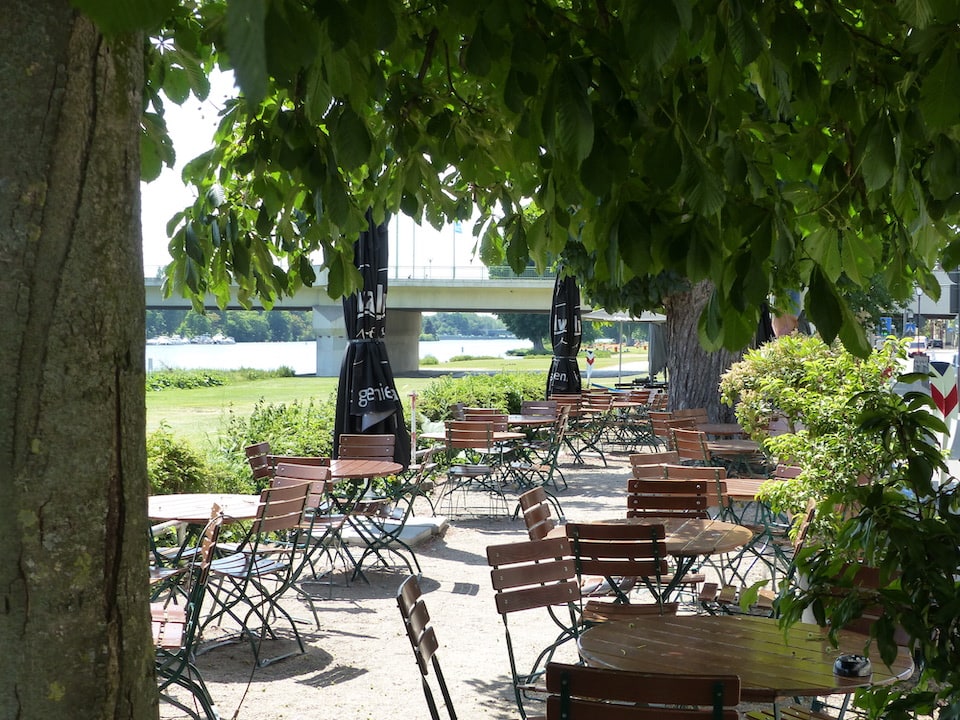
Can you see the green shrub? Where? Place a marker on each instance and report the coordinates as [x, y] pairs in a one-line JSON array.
[[173, 466], [505, 391], [429, 360], [190, 379], [528, 352], [184, 379], [291, 429]]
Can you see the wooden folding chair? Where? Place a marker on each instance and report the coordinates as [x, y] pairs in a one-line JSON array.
[[578, 692], [620, 550], [423, 640], [366, 447], [535, 575], [476, 465], [176, 630], [250, 581], [535, 506], [691, 446]]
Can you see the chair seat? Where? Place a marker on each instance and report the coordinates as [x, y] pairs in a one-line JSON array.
[[169, 625], [470, 470], [791, 712], [240, 565]]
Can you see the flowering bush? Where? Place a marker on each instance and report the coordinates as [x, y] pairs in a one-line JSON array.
[[812, 389]]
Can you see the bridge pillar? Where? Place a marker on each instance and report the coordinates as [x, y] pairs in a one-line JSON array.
[[331, 332], [403, 340]]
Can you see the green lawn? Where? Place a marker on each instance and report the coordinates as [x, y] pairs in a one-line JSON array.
[[197, 414]]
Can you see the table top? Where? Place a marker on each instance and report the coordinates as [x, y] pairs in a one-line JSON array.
[[530, 420], [358, 468], [743, 488], [694, 537], [496, 436], [194, 508], [770, 664], [722, 429], [733, 446]]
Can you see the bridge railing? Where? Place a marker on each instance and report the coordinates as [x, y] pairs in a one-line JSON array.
[[429, 271]]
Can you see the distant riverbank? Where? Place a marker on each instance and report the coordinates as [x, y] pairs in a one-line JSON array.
[[301, 357]]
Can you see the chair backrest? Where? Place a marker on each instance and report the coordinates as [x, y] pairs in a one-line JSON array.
[[654, 458], [318, 477], [578, 692], [423, 640], [657, 497], [618, 549], [658, 400], [281, 508], [174, 631], [258, 457], [598, 611], [699, 415], [539, 407], [469, 434], [786, 472], [714, 475], [497, 419], [660, 423], [481, 411], [536, 513], [691, 445], [533, 574], [366, 447]]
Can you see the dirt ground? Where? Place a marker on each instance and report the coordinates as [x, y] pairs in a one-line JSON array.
[[359, 663]]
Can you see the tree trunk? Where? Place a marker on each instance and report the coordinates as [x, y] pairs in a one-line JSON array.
[[74, 626], [694, 373]]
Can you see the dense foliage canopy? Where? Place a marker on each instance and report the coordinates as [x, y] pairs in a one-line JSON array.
[[761, 145]]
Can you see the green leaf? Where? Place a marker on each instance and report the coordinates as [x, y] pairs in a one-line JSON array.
[[351, 140], [663, 161], [477, 55], [246, 44], [837, 52], [653, 30], [823, 305], [702, 188], [574, 117], [824, 249], [115, 18], [191, 244], [939, 99], [879, 155]]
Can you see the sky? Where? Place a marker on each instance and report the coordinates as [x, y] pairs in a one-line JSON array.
[[415, 251]]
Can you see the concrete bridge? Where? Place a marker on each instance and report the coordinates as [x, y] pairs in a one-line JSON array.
[[407, 298]]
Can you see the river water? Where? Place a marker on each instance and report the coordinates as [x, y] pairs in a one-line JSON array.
[[300, 356]]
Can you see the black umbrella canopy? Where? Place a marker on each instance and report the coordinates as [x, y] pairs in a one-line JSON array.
[[367, 397], [565, 332]]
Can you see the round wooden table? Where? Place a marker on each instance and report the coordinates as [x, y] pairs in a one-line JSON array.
[[495, 436], [732, 430], [194, 508], [771, 665], [688, 539], [530, 421]]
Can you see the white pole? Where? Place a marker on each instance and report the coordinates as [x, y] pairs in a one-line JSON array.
[[413, 427]]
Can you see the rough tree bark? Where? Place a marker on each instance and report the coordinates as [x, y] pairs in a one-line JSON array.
[[73, 622], [694, 373]]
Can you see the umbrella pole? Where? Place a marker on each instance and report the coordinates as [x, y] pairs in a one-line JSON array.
[[413, 427], [620, 345]]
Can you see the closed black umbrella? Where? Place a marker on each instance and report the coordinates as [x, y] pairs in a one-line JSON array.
[[367, 398], [565, 333]]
